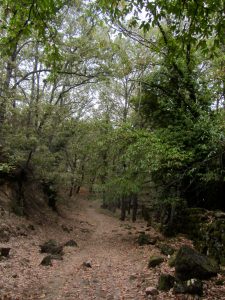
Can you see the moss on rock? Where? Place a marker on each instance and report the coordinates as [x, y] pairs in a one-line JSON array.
[[166, 282], [155, 261]]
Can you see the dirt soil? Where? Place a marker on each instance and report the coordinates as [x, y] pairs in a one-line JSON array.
[[118, 264]]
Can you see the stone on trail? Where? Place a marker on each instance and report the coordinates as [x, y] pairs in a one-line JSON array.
[[66, 228], [47, 260], [31, 227], [191, 264], [70, 243], [4, 251], [22, 230], [5, 233], [155, 261], [151, 291], [87, 264], [166, 282], [51, 247], [191, 286]]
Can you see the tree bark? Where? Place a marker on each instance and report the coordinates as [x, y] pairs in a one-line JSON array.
[[123, 209], [135, 207]]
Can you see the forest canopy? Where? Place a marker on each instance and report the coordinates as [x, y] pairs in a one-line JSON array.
[[123, 97]]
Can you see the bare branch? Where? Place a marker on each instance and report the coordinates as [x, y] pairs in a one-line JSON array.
[[28, 74]]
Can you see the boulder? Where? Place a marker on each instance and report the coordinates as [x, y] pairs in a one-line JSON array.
[[166, 282], [191, 264], [206, 229], [155, 261], [171, 260], [70, 243], [191, 286], [51, 247]]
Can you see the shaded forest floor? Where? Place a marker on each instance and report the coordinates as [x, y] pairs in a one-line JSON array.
[[119, 266]]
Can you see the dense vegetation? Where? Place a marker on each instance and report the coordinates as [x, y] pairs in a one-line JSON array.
[[123, 97]]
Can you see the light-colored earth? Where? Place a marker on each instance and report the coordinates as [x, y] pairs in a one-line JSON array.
[[119, 266]]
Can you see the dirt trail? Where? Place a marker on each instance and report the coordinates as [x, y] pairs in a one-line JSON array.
[[114, 257], [119, 266]]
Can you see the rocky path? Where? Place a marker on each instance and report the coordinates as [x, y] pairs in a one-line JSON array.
[[119, 266], [116, 262]]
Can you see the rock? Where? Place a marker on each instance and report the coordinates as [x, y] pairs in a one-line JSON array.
[[22, 230], [151, 291], [87, 264], [171, 261], [70, 243], [166, 249], [155, 261], [146, 239], [166, 282], [191, 264], [2, 211], [31, 227], [192, 286], [4, 236], [5, 251], [4, 233], [66, 228], [51, 247], [47, 260], [206, 229]]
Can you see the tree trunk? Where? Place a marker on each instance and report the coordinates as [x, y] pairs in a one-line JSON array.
[[72, 187], [104, 204], [5, 88], [129, 204], [135, 207], [123, 209], [78, 189]]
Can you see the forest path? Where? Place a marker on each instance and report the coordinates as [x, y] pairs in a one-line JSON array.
[[119, 265], [116, 260]]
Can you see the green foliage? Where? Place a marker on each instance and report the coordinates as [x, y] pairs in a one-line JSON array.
[[5, 168], [22, 19], [188, 20], [83, 105]]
